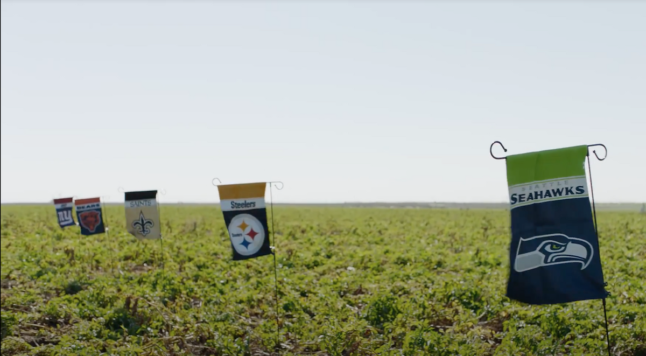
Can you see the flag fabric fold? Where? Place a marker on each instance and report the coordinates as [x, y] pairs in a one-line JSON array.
[[142, 214], [64, 211], [554, 254], [90, 216], [245, 215]]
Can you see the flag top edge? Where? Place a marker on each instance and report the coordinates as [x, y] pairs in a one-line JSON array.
[[525, 168], [63, 200], [141, 195], [241, 191], [87, 201]]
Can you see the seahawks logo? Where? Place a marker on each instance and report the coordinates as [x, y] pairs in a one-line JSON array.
[[552, 249]]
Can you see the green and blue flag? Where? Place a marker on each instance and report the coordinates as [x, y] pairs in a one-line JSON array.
[[554, 250]]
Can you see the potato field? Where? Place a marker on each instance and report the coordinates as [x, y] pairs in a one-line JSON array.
[[351, 281]]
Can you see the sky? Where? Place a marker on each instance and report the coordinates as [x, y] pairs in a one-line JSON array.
[[353, 101]]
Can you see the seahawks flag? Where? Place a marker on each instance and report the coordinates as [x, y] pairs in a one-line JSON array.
[[554, 251], [64, 211], [142, 215], [243, 206], [90, 216]]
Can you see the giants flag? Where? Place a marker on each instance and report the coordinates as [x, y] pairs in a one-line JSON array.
[[64, 211], [90, 216], [245, 215], [554, 250]]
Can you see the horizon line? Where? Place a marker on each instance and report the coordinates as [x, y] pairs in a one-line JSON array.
[[329, 203]]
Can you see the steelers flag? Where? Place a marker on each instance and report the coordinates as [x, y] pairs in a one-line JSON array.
[[245, 215], [90, 216], [64, 211], [142, 215], [554, 250]]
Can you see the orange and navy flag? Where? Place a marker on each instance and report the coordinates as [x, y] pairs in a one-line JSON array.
[[245, 215], [64, 211], [90, 216]]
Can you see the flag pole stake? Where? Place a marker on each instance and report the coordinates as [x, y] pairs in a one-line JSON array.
[[273, 235], [161, 238], [107, 229], [215, 185], [596, 230], [161, 243], [594, 212]]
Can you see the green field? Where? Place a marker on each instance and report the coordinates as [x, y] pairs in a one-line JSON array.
[[352, 281]]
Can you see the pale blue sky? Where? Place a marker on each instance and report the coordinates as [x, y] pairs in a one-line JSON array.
[[345, 101]]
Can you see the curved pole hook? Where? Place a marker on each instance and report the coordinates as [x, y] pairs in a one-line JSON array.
[[121, 190], [595, 152], [491, 149], [162, 192], [275, 183], [213, 181]]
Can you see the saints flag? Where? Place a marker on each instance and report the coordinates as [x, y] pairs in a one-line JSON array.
[[64, 211], [554, 251], [142, 214], [90, 216], [245, 215]]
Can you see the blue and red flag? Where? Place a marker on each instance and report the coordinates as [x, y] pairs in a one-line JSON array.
[[64, 211]]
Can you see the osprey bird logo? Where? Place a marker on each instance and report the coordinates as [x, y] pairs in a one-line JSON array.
[[143, 225], [552, 249]]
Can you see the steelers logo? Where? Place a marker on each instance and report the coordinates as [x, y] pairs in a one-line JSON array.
[[247, 234]]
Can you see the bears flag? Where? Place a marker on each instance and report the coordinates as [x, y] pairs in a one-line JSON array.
[[90, 216], [142, 214], [554, 250], [64, 211], [245, 215]]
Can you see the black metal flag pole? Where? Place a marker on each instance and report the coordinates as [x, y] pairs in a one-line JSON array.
[[161, 261], [273, 235], [596, 230], [279, 185], [594, 214], [161, 237], [54, 200], [215, 185], [107, 228], [105, 218]]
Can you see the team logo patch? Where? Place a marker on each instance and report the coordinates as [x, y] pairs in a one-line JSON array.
[[64, 211], [247, 234], [90, 220], [65, 217], [552, 249], [143, 225]]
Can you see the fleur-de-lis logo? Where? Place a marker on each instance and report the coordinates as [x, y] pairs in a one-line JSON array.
[[143, 225]]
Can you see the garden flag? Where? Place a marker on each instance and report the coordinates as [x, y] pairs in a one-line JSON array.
[[90, 216], [243, 206], [142, 214], [554, 251], [64, 211]]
